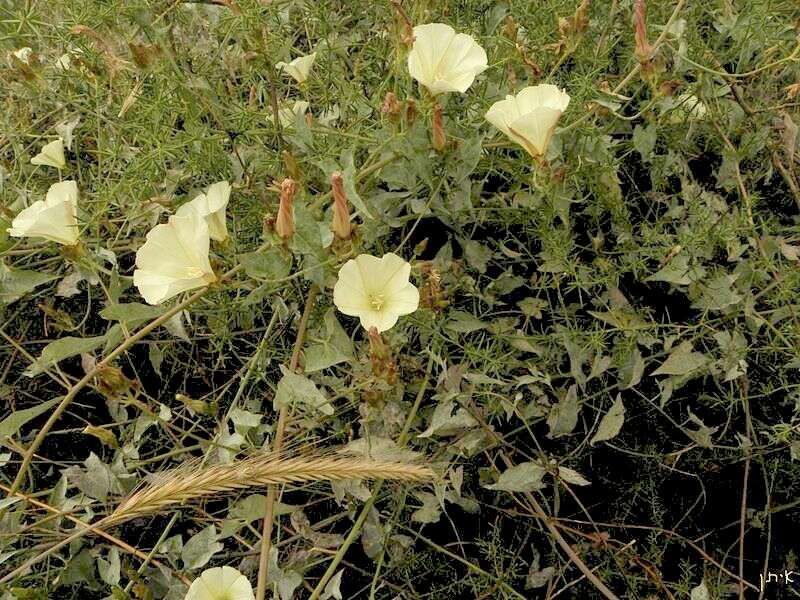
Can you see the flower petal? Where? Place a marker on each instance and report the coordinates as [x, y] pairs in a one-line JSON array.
[[404, 301], [536, 128], [220, 583], [52, 155], [444, 61], [349, 294], [54, 218], [174, 258]]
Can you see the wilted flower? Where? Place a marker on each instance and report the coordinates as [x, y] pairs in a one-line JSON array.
[[530, 117], [376, 290], [299, 68], [174, 258], [211, 206], [341, 213], [54, 218], [284, 223], [220, 583], [52, 154], [443, 60]]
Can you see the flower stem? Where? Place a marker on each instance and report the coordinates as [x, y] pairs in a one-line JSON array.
[[277, 446], [365, 510]]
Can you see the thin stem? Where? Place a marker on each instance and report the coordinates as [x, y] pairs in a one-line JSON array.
[[277, 446], [92, 373], [365, 510]]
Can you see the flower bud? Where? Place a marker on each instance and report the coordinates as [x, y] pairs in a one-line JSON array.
[[284, 223], [411, 112], [643, 47], [341, 213], [439, 136], [391, 107]]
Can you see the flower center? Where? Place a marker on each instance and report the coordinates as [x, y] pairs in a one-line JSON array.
[[376, 301], [195, 272]]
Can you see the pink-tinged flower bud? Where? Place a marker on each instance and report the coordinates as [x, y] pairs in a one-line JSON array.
[[439, 136], [341, 212], [411, 112], [643, 47], [284, 223]]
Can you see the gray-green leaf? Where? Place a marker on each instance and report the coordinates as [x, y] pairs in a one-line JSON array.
[[200, 548], [15, 283], [563, 416], [681, 361], [611, 423], [524, 477], [14, 422], [298, 391], [64, 348]]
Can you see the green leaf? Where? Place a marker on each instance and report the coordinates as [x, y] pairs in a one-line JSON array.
[[97, 480], [682, 361], [678, 271], [718, 293], [15, 283], [132, 314], [109, 569], [64, 348], [307, 240], [11, 425], [80, 569], [464, 322], [332, 588], [620, 319], [200, 548], [349, 177], [335, 348], [572, 476], [298, 391], [287, 581], [644, 141], [563, 416], [611, 423], [271, 264], [524, 477], [446, 422], [430, 511], [477, 255], [630, 373], [700, 592]]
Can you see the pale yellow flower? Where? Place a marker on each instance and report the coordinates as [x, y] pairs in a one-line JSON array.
[[376, 290], [443, 60], [52, 154], [288, 114], [211, 206], [530, 117], [55, 218], [299, 68], [174, 258], [220, 583]]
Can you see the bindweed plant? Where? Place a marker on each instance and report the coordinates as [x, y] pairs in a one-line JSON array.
[[401, 300]]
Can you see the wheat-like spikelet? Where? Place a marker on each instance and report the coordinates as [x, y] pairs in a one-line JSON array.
[[181, 485]]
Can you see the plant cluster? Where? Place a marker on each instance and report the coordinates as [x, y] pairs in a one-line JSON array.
[[418, 300]]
